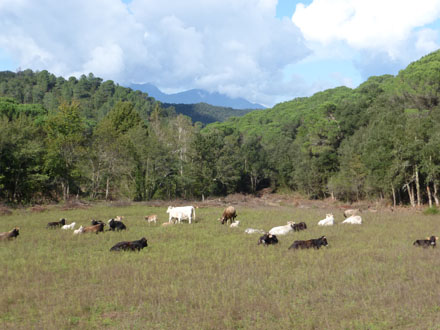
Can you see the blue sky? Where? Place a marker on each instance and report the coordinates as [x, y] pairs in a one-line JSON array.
[[266, 51]]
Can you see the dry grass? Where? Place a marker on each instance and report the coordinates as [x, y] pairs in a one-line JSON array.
[[209, 276]]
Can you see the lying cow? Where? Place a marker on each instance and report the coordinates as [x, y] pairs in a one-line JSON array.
[[9, 235], [80, 230], [268, 239], [94, 229], [353, 220], [228, 214], [181, 212], [429, 241], [56, 224], [234, 224], [311, 243], [282, 230], [299, 226], [351, 212], [151, 218], [328, 221], [254, 231], [116, 225], [71, 226], [130, 246]]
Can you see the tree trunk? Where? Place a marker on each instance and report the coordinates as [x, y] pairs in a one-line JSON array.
[[394, 195], [437, 203], [107, 186], [428, 190], [418, 186], [410, 194]]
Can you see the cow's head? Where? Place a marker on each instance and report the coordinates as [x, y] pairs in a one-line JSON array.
[[169, 209], [323, 241]]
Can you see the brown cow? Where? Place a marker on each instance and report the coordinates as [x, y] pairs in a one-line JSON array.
[[228, 214], [151, 218], [10, 234], [94, 229]]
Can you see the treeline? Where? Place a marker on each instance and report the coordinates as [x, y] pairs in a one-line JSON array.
[[95, 139]]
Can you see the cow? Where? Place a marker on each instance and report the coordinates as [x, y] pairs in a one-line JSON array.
[[351, 212], [120, 218], [353, 220], [96, 222], [234, 224], [299, 226], [94, 229], [328, 221], [181, 212], [268, 239], [282, 230], [71, 226], [9, 235], [228, 214], [311, 243], [254, 231], [151, 218], [429, 241], [130, 246], [56, 224], [116, 225], [80, 230]]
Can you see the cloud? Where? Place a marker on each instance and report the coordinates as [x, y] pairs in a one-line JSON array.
[[233, 46]]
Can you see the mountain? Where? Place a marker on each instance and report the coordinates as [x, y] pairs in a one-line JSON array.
[[193, 96]]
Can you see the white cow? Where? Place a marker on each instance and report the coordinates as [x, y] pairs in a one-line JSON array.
[[78, 231], [254, 231], [71, 226], [350, 212], [182, 212], [282, 230], [328, 221], [234, 224], [354, 220]]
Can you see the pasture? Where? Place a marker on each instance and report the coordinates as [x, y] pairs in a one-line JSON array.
[[209, 276]]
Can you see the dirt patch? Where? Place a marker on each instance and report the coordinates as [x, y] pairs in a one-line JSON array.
[[5, 211], [38, 208]]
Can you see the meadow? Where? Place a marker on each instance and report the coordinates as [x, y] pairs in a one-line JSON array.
[[209, 276]]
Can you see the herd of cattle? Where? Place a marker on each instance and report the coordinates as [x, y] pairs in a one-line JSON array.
[[177, 214]]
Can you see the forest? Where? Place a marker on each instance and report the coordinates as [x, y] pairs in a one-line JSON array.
[[96, 140]]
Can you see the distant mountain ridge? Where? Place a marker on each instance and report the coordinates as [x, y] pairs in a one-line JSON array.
[[194, 96]]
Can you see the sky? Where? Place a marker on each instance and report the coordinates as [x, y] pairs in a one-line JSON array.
[[266, 51]]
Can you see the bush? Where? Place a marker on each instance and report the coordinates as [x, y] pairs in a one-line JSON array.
[[431, 211]]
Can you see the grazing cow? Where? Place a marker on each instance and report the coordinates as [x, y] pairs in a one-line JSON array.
[[299, 226], [56, 224], [94, 229], [353, 220], [429, 241], [228, 214], [130, 246], [234, 224], [181, 212], [80, 230], [254, 231], [116, 225], [351, 212], [151, 218], [71, 226], [96, 222], [268, 239], [328, 221], [282, 230], [314, 243], [10, 234]]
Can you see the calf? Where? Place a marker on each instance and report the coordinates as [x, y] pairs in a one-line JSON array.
[[299, 226], [350, 212], [429, 241], [328, 221], [151, 218], [268, 239], [94, 229], [254, 231], [116, 225], [282, 230], [311, 243], [71, 226], [228, 214], [234, 224], [56, 224], [353, 220], [130, 246], [10, 234], [80, 230]]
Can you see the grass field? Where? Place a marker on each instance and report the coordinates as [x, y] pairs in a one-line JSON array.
[[209, 276]]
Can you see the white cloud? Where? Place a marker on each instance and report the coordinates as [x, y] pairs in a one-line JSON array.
[[233, 46]]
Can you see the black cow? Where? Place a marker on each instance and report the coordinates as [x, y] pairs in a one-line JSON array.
[[130, 246], [299, 226], [311, 243], [116, 225], [268, 239], [96, 222], [56, 224], [429, 241]]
